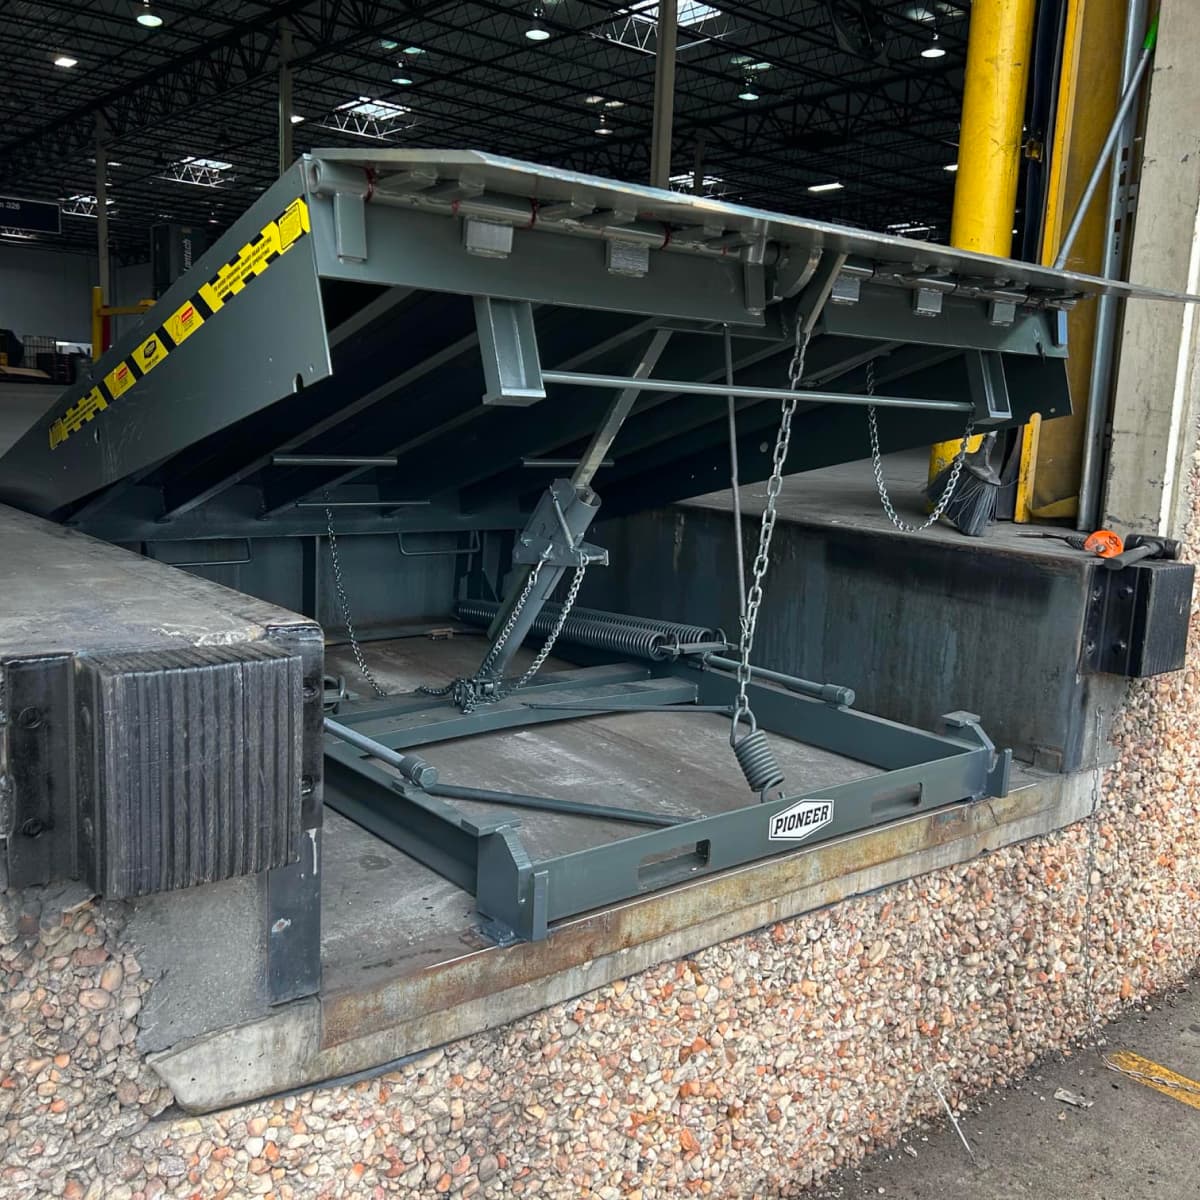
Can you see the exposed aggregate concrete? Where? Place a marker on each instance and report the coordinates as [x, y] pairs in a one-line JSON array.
[[749, 1070]]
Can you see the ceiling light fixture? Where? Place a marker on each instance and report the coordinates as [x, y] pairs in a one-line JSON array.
[[833, 186], [148, 17], [603, 130], [747, 93], [614, 104], [297, 119], [65, 60], [388, 44], [402, 80], [593, 100], [950, 167], [537, 32], [935, 49]]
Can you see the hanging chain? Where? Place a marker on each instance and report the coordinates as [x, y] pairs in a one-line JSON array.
[[947, 495], [467, 691], [344, 604], [749, 621], [513, 617], [552, 636]]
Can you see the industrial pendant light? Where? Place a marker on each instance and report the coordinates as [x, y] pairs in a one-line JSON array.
[[148, 17], [935, 49], [537, 32]]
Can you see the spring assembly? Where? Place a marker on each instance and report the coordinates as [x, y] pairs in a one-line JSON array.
[[757, 760], [586, 626], [632, 641]]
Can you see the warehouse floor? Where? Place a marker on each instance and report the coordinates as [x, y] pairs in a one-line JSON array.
[[1134, 1143]]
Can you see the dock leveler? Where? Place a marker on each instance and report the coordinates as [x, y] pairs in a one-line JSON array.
[[320, 534]]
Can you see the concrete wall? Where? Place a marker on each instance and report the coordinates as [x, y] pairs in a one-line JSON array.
[[47, 292], [1154, 421]]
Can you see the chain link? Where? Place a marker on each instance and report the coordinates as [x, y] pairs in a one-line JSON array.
[[344, 605], [947, 495], [509, 625], [552, 636], [467, 691], [749, 620]]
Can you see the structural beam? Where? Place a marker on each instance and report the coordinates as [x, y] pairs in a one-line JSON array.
[[664, 93], [1090, 85], [286, 147], [102, 213]]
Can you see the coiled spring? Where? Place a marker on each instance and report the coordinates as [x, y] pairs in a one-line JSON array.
[[757, 760], [598, 629], [632, 641]]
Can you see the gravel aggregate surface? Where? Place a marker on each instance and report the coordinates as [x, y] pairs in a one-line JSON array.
[[749, 1070]]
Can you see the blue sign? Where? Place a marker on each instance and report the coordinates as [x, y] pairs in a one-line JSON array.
[[29, 216]]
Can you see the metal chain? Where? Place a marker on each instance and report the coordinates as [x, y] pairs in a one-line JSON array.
[[466, 689], [749, 621], [877, 467], [552, 636], [344, 605], [510, 624]]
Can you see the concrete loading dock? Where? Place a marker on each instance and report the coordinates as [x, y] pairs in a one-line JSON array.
[[409, 954]]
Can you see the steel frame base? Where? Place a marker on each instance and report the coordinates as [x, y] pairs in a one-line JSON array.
[[522, 897]]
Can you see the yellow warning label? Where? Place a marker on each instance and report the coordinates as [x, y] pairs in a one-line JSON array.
[[183, 322], [119, 380], [73, 419], [253, 258], [150, 353], [293, 224], [274, 239]]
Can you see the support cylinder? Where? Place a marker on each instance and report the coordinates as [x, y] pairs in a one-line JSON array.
[[989, 143]]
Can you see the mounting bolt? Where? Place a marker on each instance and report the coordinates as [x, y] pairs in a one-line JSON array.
[[306, 785], [1127, 590], [34, 827], [29, 718], [309, 691]]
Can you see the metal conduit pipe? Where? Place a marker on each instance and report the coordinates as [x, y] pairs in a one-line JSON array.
[[1108, 307]]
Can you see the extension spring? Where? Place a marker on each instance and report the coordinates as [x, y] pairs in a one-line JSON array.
[[632, 641], [757, 760], [592, 620]]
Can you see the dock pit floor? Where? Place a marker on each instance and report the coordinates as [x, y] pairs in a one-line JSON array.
[[406, 965]]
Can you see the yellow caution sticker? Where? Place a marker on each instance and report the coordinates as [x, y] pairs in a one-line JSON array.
[[274, 239], [150, 353], [183, 322], [120, 379], [72, 421]]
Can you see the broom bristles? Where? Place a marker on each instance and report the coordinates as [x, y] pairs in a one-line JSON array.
[[972, 508]]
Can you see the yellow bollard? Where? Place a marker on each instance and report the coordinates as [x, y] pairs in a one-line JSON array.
[[989, 143]]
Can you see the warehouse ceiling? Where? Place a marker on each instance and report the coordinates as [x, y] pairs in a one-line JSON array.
[[774, 98]]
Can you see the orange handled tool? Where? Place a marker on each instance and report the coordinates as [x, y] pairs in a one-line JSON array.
[[1103, 543]]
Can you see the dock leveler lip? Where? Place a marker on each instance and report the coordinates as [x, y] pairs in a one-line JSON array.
[[389, 345]]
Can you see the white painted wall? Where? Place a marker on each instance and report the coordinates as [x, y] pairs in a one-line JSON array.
[[46, 292], [49, 293]]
